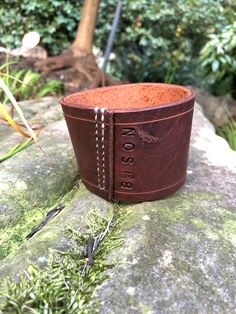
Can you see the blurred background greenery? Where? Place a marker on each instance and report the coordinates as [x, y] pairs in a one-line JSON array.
[[182, 41]]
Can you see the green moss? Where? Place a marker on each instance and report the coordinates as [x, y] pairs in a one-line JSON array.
[[205, 228], [181, 224], [229, 231], [199, 223], [230, 226], [145, 309], [12, 237], [161, 215], [169, 213], [68, 284], [225, 227]]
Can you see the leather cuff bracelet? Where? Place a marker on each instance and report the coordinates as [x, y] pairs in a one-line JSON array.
[[131, 141]]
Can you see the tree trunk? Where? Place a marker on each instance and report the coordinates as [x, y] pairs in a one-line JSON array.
[[83, 43], [80, 54]]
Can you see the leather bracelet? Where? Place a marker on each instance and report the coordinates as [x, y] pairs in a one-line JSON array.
[[131, 141]]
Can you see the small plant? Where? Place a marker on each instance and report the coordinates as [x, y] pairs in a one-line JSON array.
[[26, 84], [18, 127], [229, 132], [20, 85], [16, 149], [51, 87], [68, 283], [217, 60]]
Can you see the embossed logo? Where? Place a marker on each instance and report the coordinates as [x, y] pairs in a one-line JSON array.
[[127, 159]]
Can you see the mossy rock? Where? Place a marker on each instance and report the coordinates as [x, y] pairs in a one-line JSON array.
[[32, 182], [178, 253], [31, 179], [53, 236], [178, 257]]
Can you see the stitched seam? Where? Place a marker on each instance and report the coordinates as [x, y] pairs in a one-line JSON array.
[[97, 146], [100, 146], [103, 148], [140, 193], [138, 122], [153, 121], [149, 192]]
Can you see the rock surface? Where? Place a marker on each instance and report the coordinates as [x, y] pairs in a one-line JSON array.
[[178, 253], [52, 236], [31, 179], [217, 108], [42, 111]]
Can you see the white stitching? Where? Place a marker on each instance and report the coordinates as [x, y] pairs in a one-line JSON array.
[[103, 148], [97, 145], [96, 109]]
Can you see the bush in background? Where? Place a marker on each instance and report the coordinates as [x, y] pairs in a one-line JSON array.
[[157, 40], [55, 20], [218, 61], [161, 40]]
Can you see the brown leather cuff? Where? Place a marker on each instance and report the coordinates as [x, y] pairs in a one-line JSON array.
[[131, 141]]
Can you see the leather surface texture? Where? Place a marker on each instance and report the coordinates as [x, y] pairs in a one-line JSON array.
[[131, 155]]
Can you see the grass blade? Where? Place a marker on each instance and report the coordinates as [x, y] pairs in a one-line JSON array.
[[16, 149], [12, 77], [6, 64], [52, 86], [18, 109], [9, 119]]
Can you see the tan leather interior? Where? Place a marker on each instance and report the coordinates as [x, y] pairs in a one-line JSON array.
[[142, 95]]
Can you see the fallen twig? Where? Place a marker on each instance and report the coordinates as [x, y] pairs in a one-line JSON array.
[[51, 214], [93, 244]]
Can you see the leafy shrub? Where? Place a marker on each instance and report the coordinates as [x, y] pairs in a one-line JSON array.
[[55, 20], [218, 62], [157, 40], [161, 40]]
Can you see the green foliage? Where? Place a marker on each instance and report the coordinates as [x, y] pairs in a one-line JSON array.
[[55, 20], [26, 84], [218, 60], [63, 286], [161, 40], [22, 84], [157, 40], [53, 86]]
